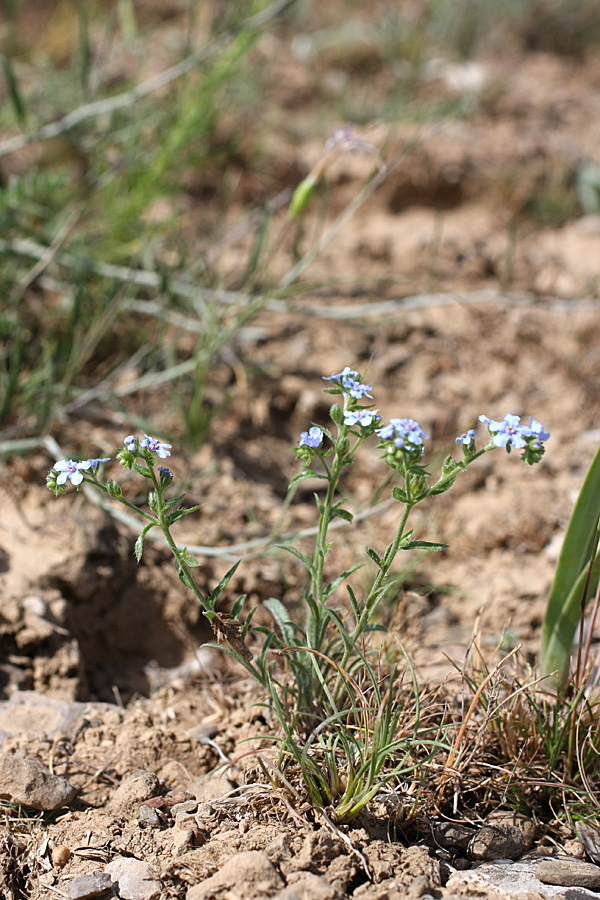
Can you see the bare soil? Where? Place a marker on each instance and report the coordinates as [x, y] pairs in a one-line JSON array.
[[505, 320]]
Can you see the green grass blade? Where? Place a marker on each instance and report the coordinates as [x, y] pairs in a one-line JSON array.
[[563, 611], [13, 90]]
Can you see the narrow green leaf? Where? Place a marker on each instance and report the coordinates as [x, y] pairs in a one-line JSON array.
[[213, 596], [282, 617], [374, 555], [329, 590], [399, 494], [304, 474], [423, 545], [298, 554], [341, 513], [238, 606], [574, 556], [139, 544], [557, 649], [13, 90]]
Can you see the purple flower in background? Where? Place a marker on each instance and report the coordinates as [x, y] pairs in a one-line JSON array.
[[509, 431], [161, 449], [72, 471], [311, 438], [467, 438], [363, 417]]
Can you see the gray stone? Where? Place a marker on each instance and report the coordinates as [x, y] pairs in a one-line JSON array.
[[568, 873], [510, 880], [87, 886], [133, 790], [453, 835], [149, 817], [134, 878], [30, 713], [497, 842], [28, 782]]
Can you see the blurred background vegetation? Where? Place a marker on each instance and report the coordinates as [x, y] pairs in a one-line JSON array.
[[147, 156]]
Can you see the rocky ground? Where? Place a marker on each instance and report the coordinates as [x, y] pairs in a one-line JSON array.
[[127, 764]]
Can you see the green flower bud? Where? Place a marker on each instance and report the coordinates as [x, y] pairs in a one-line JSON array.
[[113, 489]]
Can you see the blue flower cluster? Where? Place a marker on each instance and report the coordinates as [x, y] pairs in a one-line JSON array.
[[401, 432], [510, 433], [350, 382], [161, 449]]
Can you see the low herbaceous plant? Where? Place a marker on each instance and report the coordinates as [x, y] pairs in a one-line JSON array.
[[349, 723]]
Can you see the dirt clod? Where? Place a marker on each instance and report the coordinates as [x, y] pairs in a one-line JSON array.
[[27, 782]]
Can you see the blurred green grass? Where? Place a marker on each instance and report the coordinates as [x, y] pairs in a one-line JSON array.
[[152, 184]]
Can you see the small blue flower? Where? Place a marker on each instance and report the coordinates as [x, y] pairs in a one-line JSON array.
[[362, 417], [467, 438], [94, 463], [311, 438], [129, 442], [69, 470], [161, 449], [537, 429], [386, 433], [507, 432]]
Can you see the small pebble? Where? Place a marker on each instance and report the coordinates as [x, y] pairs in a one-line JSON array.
[[60, 855], [149, 817]]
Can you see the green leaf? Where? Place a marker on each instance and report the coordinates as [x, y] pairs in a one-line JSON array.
[[191, 561], [335, 584], [13, 90], [423, 545], [443, 485], [282, 617], [142, 470], [139, 544], [563, 610], [304, 474], [353, 601], [238, 606], [174, 501], [298, 554], [339, 512], [399, 494], [214, 595], [374, 555]]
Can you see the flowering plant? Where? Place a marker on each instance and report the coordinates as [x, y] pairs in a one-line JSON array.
[[320, 697]]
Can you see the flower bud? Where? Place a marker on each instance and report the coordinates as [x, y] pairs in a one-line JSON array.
[[165, 476], [113, 489]]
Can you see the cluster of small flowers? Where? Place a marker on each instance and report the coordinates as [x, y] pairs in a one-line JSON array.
[[510, 433], [70, 470], [351, 382], [402, 439], [161, 449]]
